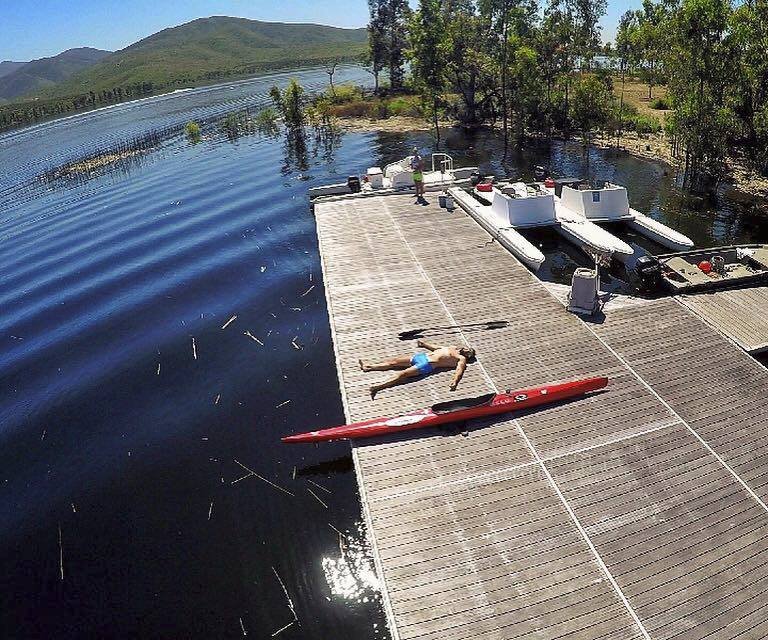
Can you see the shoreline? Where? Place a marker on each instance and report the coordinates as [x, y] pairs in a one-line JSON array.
[[193, 86], [653, 147]]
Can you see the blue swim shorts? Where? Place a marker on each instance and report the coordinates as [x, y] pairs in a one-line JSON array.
[[422, 363]]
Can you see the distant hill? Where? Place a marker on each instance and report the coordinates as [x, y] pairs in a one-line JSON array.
[[210, 48], [7, 66], [22, 78]]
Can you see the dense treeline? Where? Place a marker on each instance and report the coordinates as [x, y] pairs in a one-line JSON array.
[[714, 56], [533, 71]]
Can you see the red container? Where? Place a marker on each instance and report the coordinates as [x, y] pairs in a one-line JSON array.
[[485, 187]]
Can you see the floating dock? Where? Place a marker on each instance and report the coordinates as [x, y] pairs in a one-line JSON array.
[[741, 314], [638, 512]]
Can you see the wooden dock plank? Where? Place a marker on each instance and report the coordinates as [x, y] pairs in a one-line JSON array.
[[551, 523], [721, 393], [669, 539], [741, 314]]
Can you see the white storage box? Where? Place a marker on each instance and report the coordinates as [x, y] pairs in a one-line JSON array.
[[375, 177]]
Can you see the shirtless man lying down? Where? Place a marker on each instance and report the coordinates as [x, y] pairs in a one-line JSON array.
[[422, 364]]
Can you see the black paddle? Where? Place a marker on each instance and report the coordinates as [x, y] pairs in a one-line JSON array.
[[418, 333]]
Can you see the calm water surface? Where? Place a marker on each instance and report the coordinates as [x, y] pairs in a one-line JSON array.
[[143, 488]]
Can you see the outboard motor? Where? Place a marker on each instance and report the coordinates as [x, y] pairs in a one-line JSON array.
[[353, 183], [648, 272], [539, 173]]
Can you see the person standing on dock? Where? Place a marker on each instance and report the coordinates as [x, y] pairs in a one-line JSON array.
[[417, 165], [422, 364]]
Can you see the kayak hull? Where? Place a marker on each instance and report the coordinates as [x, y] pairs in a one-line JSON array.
[[454, 411]]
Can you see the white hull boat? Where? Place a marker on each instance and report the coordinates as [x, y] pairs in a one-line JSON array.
[[396, 177], [610, 203], [520, 206], [499, 228], [588, 236]]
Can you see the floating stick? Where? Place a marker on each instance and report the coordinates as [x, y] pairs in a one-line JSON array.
[[194, 349], [229, 322], [319, 486], [282, 404], [281, 629], [307, 291], [317, 498], [253, 337], [210, 509], [218, 397], [242, 626], [158, 368], [296, 345], [336, 530], [252, 472], [287, 597], [61, 555]]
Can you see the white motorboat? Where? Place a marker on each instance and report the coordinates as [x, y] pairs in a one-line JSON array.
[[499, 217], [396, 177], [609, 203], [518, 206]]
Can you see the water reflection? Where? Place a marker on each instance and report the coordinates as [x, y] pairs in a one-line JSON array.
[[351, 575]]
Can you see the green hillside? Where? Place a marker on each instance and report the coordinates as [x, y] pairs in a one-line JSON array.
[[211, 48], [29, 77]]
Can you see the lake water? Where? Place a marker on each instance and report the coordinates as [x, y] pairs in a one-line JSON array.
[[143, 488]]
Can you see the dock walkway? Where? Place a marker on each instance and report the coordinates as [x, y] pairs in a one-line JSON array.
[[638, 512], [741, 314]]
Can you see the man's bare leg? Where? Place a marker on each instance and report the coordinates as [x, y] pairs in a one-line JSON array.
[[410, 372], [402, 362]]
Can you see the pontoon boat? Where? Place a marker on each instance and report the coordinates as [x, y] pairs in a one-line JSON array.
[[396, 177]]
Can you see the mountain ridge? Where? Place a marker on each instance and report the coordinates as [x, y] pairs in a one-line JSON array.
[[27, 77], [205, 49]]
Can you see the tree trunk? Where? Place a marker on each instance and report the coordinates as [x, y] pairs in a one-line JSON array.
[[621, 105], [504, 115], [437, 126]]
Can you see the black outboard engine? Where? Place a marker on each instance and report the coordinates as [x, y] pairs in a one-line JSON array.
[[475, 178], [353, 183], [648, 272], [539, 173]]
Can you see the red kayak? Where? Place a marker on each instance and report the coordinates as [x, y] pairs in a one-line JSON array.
[[455, 411]]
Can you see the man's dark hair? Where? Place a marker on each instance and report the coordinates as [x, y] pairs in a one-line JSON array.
[[468, 353]]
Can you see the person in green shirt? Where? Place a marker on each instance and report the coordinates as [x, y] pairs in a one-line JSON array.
[[417, 165]]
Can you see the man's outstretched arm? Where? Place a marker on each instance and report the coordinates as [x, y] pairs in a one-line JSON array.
[[458, 372], [427, 345]]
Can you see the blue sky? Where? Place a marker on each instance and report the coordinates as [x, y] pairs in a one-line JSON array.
[[38, 28]]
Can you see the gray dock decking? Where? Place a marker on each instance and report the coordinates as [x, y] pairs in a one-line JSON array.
[[741, 314], [634, 513]]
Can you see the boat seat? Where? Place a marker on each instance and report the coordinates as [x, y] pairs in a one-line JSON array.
[[761, 256], [691, 273]]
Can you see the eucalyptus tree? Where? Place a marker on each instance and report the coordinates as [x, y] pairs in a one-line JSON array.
[[512, 25], [586, 15], [625, 53], [749, 36], [377, 40], [700, 67], [649, 38], [387, 39], [397, 15], [468, 60], [426, 54]]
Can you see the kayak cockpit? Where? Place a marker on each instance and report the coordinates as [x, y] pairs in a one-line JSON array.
[[451, 406]]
